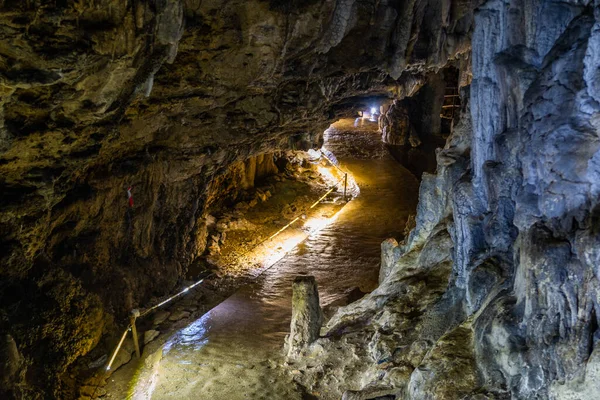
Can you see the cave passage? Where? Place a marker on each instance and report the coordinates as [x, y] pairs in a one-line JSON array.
[[235, 350]]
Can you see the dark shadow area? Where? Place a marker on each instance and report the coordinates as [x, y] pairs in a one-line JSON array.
[[418, 159], [414, 127]]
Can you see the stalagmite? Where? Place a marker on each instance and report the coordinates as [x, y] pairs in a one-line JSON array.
[[307, 316]]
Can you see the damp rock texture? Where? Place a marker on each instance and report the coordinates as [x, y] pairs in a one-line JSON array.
[[416, 118], [494, 294], [307, 316], [163, 97]]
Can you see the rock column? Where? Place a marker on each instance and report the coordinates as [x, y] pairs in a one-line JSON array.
[[11, 362], [307, 316]]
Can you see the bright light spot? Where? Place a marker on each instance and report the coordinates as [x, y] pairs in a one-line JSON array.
[[289, 243], [316, 224], [373, 110], [108, 368], [186, 289], [314, 154], [284, 247], [326, 174]]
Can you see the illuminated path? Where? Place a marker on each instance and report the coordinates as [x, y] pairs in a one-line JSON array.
[[233, 352]]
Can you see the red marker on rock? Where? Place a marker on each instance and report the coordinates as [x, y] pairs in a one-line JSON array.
[[130, 196]]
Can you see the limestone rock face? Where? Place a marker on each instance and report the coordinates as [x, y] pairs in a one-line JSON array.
[[416, 118], [388, 257], [163, 97], [495, 293], [396, 126], [307, 316]]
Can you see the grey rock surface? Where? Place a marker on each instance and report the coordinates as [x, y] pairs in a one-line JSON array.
[[11, 361], [160, 317], [495, 292], [177, 315], [307, 316]]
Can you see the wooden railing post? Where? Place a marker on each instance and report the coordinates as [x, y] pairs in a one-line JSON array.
[[133, 316]]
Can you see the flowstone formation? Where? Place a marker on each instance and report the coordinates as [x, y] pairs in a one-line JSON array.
[[494, 294], [161, 97]]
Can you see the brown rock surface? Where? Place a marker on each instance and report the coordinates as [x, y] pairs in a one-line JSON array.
[[163, 96]]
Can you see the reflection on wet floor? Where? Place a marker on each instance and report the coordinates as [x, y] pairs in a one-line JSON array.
[[233, 352]]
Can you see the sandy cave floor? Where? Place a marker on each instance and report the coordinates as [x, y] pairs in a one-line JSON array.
[[234, 350], [242, 232], [240, 250]]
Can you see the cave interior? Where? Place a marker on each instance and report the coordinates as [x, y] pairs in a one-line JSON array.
[[383, 199]]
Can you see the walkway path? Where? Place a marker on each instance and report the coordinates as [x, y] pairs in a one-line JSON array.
[[233, 352]]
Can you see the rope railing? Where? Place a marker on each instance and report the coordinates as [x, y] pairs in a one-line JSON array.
[[135, 314], [148, 311], [112, 359]]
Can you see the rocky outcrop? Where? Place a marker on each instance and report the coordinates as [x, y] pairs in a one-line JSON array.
[[307, 316], [495, 292], [163, 96], [416, 119], [396, 127]]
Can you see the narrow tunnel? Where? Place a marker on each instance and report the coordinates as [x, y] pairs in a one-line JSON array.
[[270, 199]]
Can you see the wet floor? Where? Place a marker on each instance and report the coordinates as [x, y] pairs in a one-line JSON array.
[[233, 352]]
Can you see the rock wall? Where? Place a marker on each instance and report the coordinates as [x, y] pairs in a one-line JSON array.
[[416, 118], [163, 96], [495, 292]]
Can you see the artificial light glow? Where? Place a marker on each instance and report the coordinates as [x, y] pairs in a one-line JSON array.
[[148, 311], [285, 247], [112, 359], [314, 154], [326, 173], [144, 385], [316, 224], [292, 242], [284, 228], [373, 110]]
